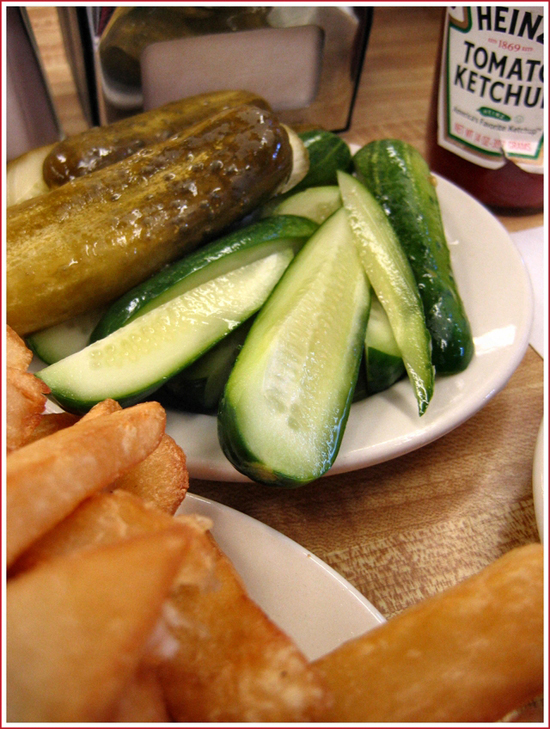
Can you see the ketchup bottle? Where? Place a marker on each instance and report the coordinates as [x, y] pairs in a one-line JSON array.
[[485, 130]]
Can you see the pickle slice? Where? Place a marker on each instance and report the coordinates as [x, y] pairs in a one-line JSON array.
[[392, 279], [287, 400], [138, 358]]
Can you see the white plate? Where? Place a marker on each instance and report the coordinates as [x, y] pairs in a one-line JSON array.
[[538, 481], [305, 597], [496, 291]]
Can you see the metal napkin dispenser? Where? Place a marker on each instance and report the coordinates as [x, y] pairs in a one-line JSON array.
[[305, 61]]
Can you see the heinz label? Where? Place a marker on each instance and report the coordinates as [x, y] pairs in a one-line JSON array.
[[491, 93]]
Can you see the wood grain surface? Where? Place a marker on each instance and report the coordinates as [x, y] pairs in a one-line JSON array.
[[413, 526]]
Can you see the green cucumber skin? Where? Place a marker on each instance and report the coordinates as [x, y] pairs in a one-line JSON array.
[[238, 243], [399, 178], [361, 392], [383, 370], [378, 372], [199, 388], [328, 153], [392, 279], [234, 443], [384, 364], [238, 453], [81, 407]]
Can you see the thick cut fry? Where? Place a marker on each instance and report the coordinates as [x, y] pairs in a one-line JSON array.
[[106, 518], [25, 393], [143, 700], [47, 479], [77, 627], [233, 663], [25, 402], [105, 407], [18, 355], [50, 423], [161, 479], [470, 654]]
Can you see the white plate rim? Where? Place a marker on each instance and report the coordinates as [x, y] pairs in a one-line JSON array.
[[470, 391], [539, 481], [309, 600]]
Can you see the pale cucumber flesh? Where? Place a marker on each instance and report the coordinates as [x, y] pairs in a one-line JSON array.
[[315, 203], [222, 255], [137, 359], [24, 178], [287, 399], [64, 339], [392, 279], [199, 388], [217, 268], [383, 362], [379, 332]]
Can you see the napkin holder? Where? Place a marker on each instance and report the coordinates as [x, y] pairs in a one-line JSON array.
[[305, 61], [31, 118]]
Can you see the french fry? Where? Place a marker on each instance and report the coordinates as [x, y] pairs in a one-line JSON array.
[[25, 402], [119, 611], [233, 663], [47, 479], [142, 700], [25, 393], [18, 355], [105, 518], [105, 407], [162, 478], [50, 423], [77, 627], [471, 654]]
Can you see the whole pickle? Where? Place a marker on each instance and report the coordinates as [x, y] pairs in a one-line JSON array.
[[86, 243], [102, 146]]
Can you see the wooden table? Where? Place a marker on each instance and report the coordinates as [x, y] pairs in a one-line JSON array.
[[413, 526]]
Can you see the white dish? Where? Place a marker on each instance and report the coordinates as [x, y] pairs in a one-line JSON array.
[[538, 481], [305, 597], [496, 290]]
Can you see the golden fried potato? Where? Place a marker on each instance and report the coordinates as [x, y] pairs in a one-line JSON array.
[[105, 518], [233, 663], [47, 479], [18, 355], [142, 700], [105, 407], [533, 713], [50, 423], [25, 393], [470, 654], [78, 626], [162, 478], [25, 402]]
